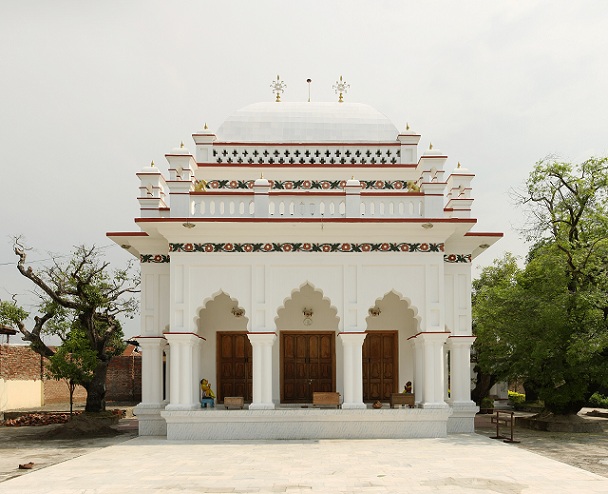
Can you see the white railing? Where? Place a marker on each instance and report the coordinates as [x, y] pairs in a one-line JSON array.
[[309, 206], [222, 206]]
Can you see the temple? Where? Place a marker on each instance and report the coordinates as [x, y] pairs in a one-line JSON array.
[[304, 248]]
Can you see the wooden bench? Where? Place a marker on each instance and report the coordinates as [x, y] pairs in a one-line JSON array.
[[323, 398], [402, 399], [234, 401]]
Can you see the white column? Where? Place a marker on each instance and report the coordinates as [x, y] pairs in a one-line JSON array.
[[184, 377], [167, 376], [418, 370], [352, 348], [151, 370], [433, 379], [460, 363], [261, 346]]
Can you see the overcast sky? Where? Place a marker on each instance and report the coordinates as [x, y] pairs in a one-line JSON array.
[[90, 92]]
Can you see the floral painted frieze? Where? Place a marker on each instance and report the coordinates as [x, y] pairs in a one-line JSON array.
[[310, 184], [457, 258], [306, 247], [154, 258]]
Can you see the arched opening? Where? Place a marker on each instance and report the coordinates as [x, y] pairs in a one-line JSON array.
[[307, 326], [226, 356], [388, 356]]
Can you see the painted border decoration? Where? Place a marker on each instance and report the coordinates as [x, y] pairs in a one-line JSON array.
[[309, 184], [154, 258], [306, 247], [457, 258]]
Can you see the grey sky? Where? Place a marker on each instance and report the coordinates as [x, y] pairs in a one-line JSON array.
[[91, 92]]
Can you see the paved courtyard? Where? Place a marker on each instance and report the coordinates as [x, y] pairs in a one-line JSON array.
[[468, 463]]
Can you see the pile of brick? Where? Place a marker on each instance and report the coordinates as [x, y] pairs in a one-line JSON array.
[[38, 419]]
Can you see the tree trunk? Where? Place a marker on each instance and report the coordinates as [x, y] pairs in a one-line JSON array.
[[483, 384], [96, 389]]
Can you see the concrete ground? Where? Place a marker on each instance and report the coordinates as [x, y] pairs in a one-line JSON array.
[[468, 463]]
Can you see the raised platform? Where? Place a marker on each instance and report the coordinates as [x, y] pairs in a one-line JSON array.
[[306, 423]]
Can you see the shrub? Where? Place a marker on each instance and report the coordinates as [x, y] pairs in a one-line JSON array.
[[599, 401], [516, 398]]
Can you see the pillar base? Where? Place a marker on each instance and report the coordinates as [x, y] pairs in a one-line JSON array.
[[434, 405], [462, 419], [262, 406], [354, 406], [194, 406], [150, 423]]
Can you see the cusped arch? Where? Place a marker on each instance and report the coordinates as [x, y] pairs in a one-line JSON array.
[[386, 312], [220, 312], [294, 313]]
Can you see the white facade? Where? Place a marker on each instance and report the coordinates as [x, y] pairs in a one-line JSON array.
[[305, 247]]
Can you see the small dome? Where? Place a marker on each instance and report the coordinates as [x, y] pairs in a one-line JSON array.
[[150, 169], [307, 122]]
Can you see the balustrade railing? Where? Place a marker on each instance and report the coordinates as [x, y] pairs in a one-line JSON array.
[[304, 206]]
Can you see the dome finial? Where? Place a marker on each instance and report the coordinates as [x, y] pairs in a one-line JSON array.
[[152, 163], [431, 145], [407, 126], [458, 165], [205, 127], [181, 144], [278, 87], [341, 88], [261, 174]]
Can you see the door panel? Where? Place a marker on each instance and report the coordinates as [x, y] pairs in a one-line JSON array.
[[380, 365], [234, 365], [308, 365]]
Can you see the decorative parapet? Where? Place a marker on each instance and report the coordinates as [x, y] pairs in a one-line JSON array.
[[457, 258], [307, 155], [306, 247]]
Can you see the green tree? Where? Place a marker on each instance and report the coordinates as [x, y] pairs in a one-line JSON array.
[[494, 303], [73, 361], [81, 301], [550, 320]]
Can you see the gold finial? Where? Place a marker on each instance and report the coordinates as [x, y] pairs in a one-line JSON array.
[[431, 145], [261, 174], [181, 145], [278, 87], [341, 88], [407, 126], [205, 127], [352, 177], [458, 165], [152, 163]]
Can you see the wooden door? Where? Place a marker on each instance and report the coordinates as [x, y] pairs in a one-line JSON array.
[[233, 365], [380, 365], [308, 365]]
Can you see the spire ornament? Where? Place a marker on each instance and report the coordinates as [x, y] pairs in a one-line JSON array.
[[278, 87], [341, 88]]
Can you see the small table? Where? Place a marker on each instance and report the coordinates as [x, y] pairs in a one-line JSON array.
[[402, 399], [234, 401]]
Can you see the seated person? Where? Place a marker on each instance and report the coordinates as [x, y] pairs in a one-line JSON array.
[[207, 394], [408, 388]]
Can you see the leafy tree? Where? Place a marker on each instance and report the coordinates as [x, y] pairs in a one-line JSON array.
[[548, 323], [73, 361], [80, 302], [493, 309]]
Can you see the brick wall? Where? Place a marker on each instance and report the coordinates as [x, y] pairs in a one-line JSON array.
[[123, 380], [19, 363]]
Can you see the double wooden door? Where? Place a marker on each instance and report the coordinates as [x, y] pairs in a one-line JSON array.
[[234, 365], [380, 365], [307, 364]]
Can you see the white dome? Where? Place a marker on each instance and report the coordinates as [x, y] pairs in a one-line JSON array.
[[307, 122]]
